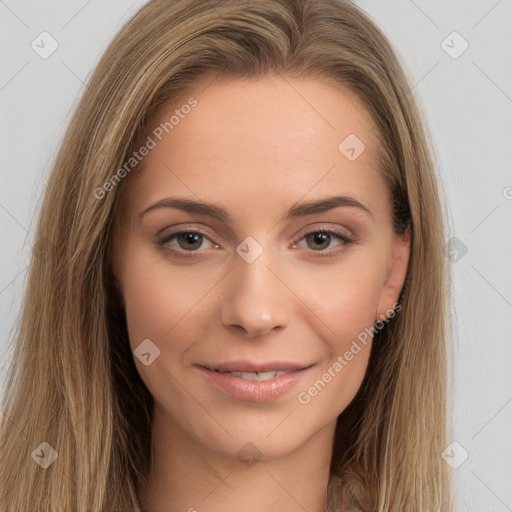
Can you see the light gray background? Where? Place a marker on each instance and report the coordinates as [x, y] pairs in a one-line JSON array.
[[468, 104]]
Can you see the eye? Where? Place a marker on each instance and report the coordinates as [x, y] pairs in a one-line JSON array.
[[189, 241], [321, 239]]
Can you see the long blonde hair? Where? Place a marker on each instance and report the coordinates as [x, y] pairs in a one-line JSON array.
[[73, 383]]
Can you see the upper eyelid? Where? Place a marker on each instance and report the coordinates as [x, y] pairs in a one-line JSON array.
[[323, 226], [314, 226]]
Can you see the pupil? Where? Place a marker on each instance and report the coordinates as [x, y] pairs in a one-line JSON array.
[[321, 237], [190, 238]]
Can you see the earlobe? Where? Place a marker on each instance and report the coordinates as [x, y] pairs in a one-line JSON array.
[[396, 275]]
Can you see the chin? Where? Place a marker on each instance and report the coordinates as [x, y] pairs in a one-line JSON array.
[[254, 437]]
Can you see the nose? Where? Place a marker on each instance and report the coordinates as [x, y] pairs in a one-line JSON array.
[[255, 301]]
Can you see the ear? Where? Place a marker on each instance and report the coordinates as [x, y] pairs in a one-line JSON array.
[[396, 275]]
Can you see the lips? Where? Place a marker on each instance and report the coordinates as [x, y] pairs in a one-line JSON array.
[[252, 367], [255, 382]]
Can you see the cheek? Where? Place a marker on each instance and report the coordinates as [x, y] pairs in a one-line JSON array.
[[163, 304], [159, 297], [343, 297], [344, 315]]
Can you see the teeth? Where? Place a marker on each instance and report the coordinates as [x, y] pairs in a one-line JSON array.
[[257, 375]]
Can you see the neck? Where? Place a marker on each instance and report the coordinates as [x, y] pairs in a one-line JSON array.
[[187, 476]]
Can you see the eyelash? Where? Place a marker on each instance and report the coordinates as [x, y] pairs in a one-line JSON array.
[[192, 254]]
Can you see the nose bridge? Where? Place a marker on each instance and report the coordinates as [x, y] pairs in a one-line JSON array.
[[255, 299]]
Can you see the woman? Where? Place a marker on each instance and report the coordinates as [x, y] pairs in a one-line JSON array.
[[242, 300]]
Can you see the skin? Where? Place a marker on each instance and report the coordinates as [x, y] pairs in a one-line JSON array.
[[255, 147]]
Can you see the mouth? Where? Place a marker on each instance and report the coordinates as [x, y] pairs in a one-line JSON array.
[[254, 382], [256, 371], [260, 376]]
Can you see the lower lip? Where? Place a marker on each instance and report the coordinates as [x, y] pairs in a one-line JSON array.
[[254, 390]]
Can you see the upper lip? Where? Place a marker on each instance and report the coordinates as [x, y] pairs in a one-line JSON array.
[[248, 366]]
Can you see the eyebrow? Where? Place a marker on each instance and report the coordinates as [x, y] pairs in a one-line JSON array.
[[298, 210]]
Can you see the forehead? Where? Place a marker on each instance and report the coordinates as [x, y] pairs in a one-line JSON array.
[[261, 140]]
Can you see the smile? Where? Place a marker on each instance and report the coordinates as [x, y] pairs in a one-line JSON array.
[[254, 386], [261, 376]]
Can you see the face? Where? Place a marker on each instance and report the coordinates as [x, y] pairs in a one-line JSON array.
[[258, 238]]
